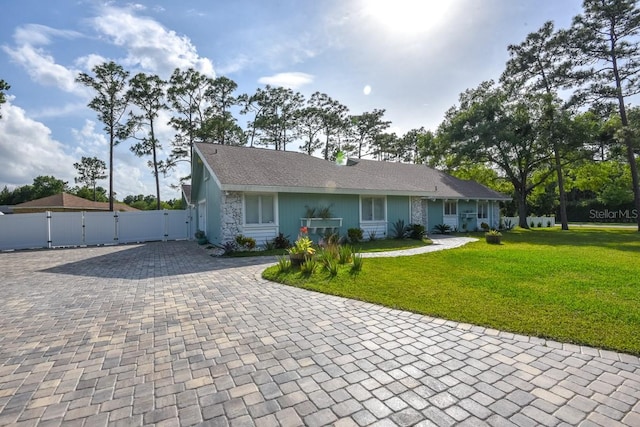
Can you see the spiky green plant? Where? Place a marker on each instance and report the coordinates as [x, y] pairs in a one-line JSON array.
[[344, 254]]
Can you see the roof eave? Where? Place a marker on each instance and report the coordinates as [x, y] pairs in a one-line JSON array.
[[353, 191]]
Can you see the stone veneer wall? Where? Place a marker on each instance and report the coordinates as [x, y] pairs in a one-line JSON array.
[[416, 210], [231, 215]]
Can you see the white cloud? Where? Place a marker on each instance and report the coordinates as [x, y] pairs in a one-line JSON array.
[[88, 62], [89, 143], [65, 110], [291, 80], [38, 35], [148, 44], [234, 65], [40, 65], [28, 150]]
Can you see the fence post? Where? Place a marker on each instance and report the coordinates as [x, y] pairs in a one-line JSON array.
[[165, 216], [115, 216], [84, 229], [48, 229]]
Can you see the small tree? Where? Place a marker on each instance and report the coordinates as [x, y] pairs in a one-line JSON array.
[[47, 185], [3, 87], [110, 103], [147, 93], [90, 171], [366, 128], [186, 95]]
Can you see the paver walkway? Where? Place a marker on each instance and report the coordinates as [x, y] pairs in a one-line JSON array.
[[440, 243], [163, 334]]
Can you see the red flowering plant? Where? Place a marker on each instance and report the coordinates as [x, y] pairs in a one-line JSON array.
[[303, 245]]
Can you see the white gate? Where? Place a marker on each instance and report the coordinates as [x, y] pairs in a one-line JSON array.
[[61, 229]]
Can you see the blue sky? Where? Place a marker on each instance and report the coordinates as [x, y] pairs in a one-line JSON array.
[[415, 57]]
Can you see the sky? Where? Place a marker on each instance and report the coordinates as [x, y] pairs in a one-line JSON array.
[[410, 57]]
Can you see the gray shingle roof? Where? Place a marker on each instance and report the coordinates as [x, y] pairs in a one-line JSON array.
[[246, 169], [186, 191], [69, 201]]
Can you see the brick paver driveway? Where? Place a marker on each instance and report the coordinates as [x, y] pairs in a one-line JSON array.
[[163, 334]]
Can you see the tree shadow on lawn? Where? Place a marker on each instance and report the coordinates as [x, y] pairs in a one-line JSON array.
[[155, 259], [621, 240]]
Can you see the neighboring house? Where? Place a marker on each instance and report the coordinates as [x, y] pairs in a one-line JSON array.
[[259, 193], [64, 202], [186, 195]]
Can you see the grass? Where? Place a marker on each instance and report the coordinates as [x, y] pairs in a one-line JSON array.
[[580, 286]]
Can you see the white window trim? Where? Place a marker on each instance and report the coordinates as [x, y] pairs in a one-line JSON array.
[[276, 219], [444, 208], [374, 221], [486, 212]]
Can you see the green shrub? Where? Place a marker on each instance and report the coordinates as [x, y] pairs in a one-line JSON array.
[[284, 264], [344, 254], [442, 228], [326, 255], [372, 236], [356, 267], [507, 225], [549, 223], [248, 243], [309, 212], [532, 224], [281, 241], [540, 224], [416, 231], [308, 267], [325, 212], [332, 267], [484, 226], [399, 229], [354, 235]]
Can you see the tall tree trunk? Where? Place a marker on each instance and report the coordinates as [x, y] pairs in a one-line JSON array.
[[563, 195], [633, 165], [111, 171], [522, 209], [155, 167], [634, 178]]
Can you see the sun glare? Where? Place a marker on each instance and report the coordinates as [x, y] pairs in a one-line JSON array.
[[408, 16]]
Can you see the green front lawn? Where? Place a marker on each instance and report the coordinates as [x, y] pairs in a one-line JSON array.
[[581, 286]]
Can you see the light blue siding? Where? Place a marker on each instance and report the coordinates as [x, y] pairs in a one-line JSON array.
[[436, 213], [292, 207], [397, 209]]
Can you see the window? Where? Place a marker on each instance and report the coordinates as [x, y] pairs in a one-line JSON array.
[[373, 209], [483, 210], [259, 209], [450, 208]]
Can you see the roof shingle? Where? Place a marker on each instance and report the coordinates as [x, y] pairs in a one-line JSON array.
[[240, 168], [69, 201]]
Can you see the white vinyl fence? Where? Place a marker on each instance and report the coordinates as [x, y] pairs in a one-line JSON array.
[[544, 221], [62, 229]]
